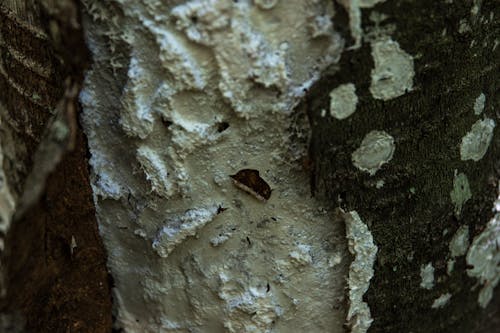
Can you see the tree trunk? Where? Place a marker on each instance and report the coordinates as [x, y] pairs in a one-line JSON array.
[[251, 166], [53, 264]]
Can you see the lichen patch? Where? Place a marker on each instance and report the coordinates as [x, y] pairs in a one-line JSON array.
[[376, 149], [476, 142], [460, 242], [393, 73], [361, 245], [427, 276], [479, 104], [441, 301], [484, 257], [343, 101]]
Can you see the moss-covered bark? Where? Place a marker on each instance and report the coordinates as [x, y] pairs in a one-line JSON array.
[[412, 216]]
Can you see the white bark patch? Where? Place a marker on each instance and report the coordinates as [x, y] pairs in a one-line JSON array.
[[427, 276], [178, 99], [393, 73], [247, 58], [484, 257], [479, 104], [250, 309], [441, 301], [361, 245], [461, 192], [155, 170], [460, 242], [301, 256], [476, 142], [343, 101], [181, 226], [220, 239], [376, 149]]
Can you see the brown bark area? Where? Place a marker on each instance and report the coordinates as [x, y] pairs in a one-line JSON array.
[[54, 258], [57, 287]]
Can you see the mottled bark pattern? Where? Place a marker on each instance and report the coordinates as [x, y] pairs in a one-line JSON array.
[[408, 216]]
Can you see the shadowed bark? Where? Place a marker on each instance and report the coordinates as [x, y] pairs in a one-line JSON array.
[[55, 264]]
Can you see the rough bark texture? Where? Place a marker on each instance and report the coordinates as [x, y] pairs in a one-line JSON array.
[[54, 263], [412, 217], [184, 101]]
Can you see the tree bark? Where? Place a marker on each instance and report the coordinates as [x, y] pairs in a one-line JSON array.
[[255, 166], [412, 216], [53, 263]]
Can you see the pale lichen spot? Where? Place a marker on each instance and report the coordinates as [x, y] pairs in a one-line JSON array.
[[441, 301], [461, 192], [460, 242], [427, 276], [393, 73], [476, 142], [361, 245], [484, 257], [343, 101], [376, 149], [479, 104]]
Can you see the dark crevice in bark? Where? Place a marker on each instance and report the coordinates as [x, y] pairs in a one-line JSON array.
[[410, 213], [54, 258]]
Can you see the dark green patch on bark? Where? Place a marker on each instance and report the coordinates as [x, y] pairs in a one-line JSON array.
[[412, 216]]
